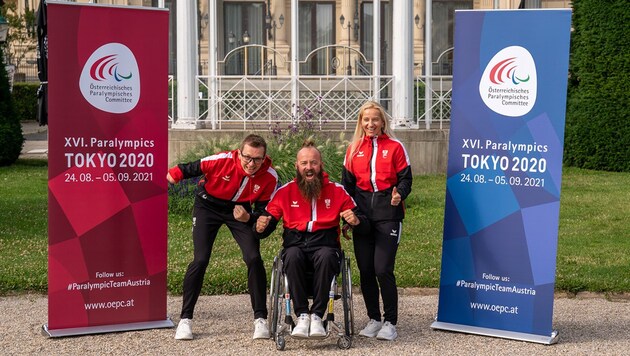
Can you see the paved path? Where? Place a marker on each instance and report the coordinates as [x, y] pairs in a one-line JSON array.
[[588, 325], [36, 140]]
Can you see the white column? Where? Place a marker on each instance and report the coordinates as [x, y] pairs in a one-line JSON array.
[[402, 63], [186, 65], [428, 65], [212, 62], [376, 49], [294, 58]]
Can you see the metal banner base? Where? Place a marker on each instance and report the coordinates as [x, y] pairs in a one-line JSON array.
[[101, 329], [541, 339]]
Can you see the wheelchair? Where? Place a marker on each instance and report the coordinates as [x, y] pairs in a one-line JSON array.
[[280, 308]]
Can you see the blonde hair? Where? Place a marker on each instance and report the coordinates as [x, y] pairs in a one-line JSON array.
[[359, 134]]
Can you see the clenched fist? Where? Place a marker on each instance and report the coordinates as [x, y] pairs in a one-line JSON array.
[[350, 218], [240, 214], [262, 223]]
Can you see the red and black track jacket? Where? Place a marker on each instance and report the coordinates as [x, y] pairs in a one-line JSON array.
[[309, 223], [226, 184], [379, 164]]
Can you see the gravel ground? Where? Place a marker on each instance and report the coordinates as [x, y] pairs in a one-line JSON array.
[[588, 324]]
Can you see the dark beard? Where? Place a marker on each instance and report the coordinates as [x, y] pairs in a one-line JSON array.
[[310, 189]]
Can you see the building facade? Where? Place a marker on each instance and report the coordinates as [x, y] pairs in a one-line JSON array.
[[236, 63]]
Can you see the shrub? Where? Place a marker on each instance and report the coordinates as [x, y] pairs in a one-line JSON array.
[[286, 141], [180, 195], [11, 138], [597, 130], [25, 100], [283, 142]]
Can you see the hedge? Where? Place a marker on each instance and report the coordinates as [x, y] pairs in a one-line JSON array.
[[597, 127], [25, 100]]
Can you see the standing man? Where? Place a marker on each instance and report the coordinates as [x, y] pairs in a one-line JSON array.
[[232, 182], [310, 207]]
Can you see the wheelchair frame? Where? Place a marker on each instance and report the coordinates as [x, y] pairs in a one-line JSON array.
[[280, 306]]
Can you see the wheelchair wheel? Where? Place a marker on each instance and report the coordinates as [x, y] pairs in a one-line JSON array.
[[280, 343], [274, 300], [346, 296], [344, 342]]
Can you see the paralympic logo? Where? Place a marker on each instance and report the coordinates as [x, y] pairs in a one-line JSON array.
[[497, 72], [509, 83], [110, 80], [107, 65]]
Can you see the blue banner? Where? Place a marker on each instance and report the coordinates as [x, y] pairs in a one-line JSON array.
[[504, 173]]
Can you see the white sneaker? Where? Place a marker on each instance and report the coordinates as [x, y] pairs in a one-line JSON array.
[[371, 329], [261, 330], [317, 328], [184, 330], [388, 332], [301, 329]]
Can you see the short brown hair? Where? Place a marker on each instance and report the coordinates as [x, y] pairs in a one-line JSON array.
[[255, 141]]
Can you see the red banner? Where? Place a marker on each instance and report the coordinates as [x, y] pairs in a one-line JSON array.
[[107, 202]]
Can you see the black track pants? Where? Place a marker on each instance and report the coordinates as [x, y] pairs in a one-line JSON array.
[[206, 224], [376, 256], [324, 264]]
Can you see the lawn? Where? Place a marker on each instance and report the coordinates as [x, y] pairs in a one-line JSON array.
[[592, 248]]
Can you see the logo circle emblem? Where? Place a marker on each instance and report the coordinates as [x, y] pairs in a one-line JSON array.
[[509, 83], [110, 79]]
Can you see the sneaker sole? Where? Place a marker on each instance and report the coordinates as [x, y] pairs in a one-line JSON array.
[[368, 335]]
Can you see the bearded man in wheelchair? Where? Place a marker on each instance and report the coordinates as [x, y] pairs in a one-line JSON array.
[[310, 207]]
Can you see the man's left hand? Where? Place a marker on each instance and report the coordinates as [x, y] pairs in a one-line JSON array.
[[240, 214], [349, 217]]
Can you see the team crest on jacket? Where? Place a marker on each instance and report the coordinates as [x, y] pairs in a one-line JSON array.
[[385, 152], [327, 202], [256, 188], [226, 178]]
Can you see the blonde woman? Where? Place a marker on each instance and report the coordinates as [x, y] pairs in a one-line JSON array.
[[377, 174]]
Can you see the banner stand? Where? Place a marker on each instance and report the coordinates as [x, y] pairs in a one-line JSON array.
[[541, 339], [107, 153], [101, 329]]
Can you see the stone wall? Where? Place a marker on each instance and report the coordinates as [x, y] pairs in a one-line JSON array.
[[428, 149]]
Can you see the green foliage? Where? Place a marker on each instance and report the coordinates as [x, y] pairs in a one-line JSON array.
[[283, 142], [11, 138], [597, 130], [180, 195], [21, 38], [286, 141], [25, 100]]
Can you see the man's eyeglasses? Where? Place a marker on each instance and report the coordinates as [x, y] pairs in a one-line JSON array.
[[248, 159]]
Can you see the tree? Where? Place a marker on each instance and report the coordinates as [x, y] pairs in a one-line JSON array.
[[11, 138], [597, 127], [21, 39]]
